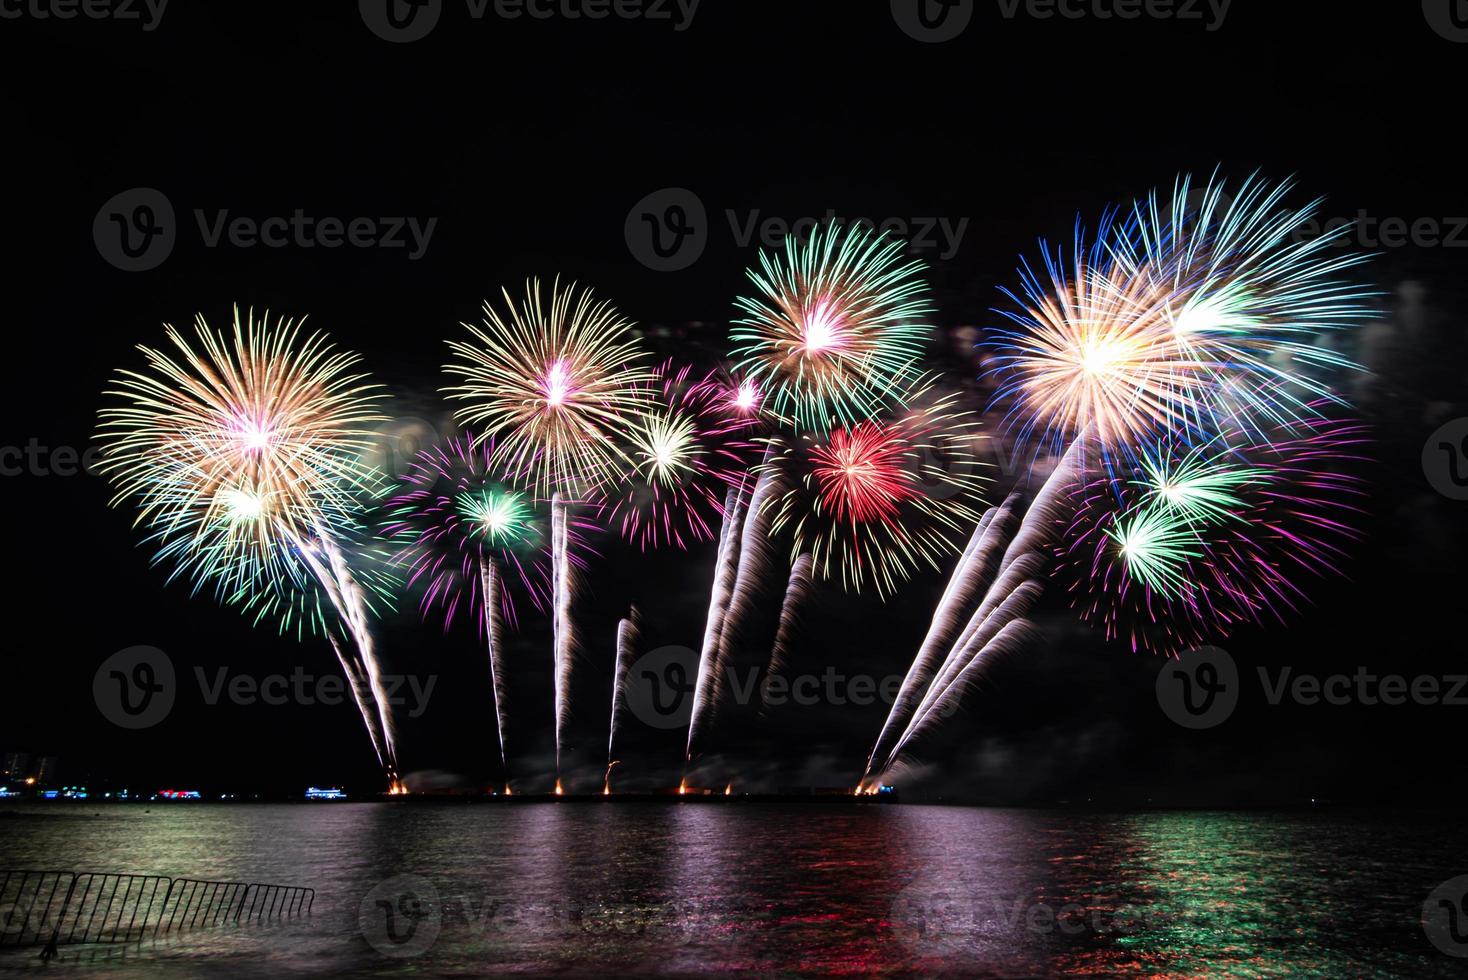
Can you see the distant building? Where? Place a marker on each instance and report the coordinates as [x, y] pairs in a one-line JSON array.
[[46, 769]]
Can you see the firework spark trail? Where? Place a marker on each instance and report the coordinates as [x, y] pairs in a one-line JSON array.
[[490, 585], [753, 567], [1008, 592], [975, 654], [627, 638], [736, 504], [1016, 633], [969, 576], [563, 636], [797, 593], [354, 608], [361, 693]]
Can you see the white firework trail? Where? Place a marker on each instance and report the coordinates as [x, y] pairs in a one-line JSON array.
[[970, 575], [753, 566], [797, 593], [964, 668], [491, 583], [352, 604], [1000, 596], [360, 662], [627, 637], [361, 691], [725, 567], [562, 633]]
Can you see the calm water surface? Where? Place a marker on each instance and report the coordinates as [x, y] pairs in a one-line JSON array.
[[698, 888]]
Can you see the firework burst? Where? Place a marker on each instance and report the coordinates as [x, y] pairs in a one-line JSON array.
[[453, 516], [244, 455], [835, 331], [555, 381], [243, 452], [1198, 312], [1193, 540], [684, 455], [874, 501]]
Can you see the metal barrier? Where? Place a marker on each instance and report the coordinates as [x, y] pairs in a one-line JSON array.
[[54, 908]]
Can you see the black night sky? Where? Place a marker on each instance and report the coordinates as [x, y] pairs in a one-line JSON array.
[[529, 142]]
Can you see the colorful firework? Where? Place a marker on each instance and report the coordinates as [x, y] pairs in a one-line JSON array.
[[684, 455], [555, 381], [835, 331], [243, 451], [244, 455], [1181, 317], [873, 501], [453, 516], [1172, 568], [1249, 297]]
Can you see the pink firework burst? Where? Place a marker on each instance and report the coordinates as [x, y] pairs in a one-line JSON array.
[[684, 453], [454, 517]]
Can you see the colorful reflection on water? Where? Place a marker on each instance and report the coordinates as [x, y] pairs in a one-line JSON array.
[[692, 888]]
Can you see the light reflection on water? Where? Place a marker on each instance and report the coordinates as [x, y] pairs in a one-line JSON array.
[[689, 888]]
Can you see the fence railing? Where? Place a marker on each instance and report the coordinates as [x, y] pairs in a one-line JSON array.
[[54, 908]]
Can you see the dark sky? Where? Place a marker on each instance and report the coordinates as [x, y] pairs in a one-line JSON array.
[[529, 141]]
